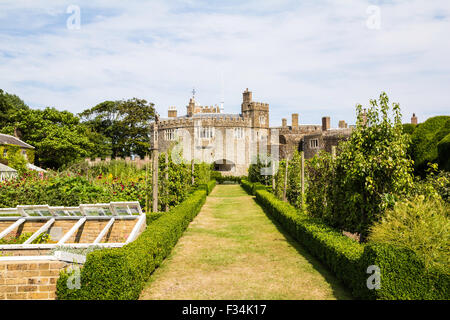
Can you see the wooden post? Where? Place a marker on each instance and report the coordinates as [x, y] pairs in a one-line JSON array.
[[273, 176], [302, 154], [192, 171], [285, 179], [155, 155], [166, 182]]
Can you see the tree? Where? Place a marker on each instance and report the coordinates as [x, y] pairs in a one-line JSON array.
[[58, 136], [372, 169], [125, 123]]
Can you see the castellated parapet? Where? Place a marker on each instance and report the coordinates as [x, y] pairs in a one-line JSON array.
[[232, 141]]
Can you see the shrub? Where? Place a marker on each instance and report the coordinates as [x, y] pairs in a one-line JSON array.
[[425, 139], [371, 170], [402, 272], [403, 275], [423, 225], [247, 186], [337, 252], [444, 153], [121, 273]]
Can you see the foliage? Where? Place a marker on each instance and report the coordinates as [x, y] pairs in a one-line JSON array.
[[58, 136], [371, 169], [443, 148], [256, 170], [221, 179], [423, 225], [339, 253], [125, 123], [121, 273], [320, 175], [425, 140], [408, 128], [403, 273], [14, 158], [42, 238]]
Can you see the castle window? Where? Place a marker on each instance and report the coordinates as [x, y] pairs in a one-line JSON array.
[[169, 134], [314, 143], [262, 120], [238, 133], [205, 132]]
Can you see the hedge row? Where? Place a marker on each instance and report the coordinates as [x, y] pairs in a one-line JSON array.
[[121, 273], [251, 188], [402, 274], [221, 179]]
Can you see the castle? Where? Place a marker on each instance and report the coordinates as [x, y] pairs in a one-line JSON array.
[[233, 141]]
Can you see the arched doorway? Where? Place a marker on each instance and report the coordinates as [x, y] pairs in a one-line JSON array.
[[224, 165]]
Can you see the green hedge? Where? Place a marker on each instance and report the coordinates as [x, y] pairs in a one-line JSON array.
[[251, 188], [222, 179], [339, 253], [208, 187], [403, 275], [121, 273]]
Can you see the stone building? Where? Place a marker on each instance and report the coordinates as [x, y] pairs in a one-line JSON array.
[[233, 141]]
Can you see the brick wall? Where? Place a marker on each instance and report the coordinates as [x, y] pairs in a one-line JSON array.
[[29, 279]]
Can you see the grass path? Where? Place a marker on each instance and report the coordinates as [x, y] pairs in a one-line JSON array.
[[233, 250]]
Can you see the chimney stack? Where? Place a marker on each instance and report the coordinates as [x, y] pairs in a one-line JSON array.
[[295, 121], [284, 122], [325, 123], [342, 124], [414, 119], [172, 112]]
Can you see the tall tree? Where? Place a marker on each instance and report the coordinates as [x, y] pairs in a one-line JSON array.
[[124, 122]]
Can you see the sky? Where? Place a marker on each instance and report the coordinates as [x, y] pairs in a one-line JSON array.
[[313, 57]]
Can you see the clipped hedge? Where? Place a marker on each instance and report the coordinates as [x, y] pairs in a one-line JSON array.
[[208, 187], [337, 252], [251, 188], [403, 274], [121, 273]]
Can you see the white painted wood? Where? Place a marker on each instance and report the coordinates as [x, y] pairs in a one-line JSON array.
[[134, 233], [54, 245], [72, 230], [12, 227], [42, 229], [104, 231], [70, 257]]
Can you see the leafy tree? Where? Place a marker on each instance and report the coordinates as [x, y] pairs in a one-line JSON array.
[[372, 169], [58, 136], [125, 123], [9, 105]]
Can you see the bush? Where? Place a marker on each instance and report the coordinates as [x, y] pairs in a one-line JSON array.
[[425, 139], [444, 153], [423, 225], [372, 169], [121, 273], [403, 273], [337, 252], [247, 186]]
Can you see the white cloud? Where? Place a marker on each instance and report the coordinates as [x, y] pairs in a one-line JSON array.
[[314, 58]]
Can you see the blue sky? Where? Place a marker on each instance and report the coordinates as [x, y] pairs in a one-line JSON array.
[[314, 57]]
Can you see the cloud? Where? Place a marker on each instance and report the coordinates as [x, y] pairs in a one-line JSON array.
[[315, 58]]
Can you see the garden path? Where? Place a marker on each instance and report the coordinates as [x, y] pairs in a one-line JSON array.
[[233, 250]]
